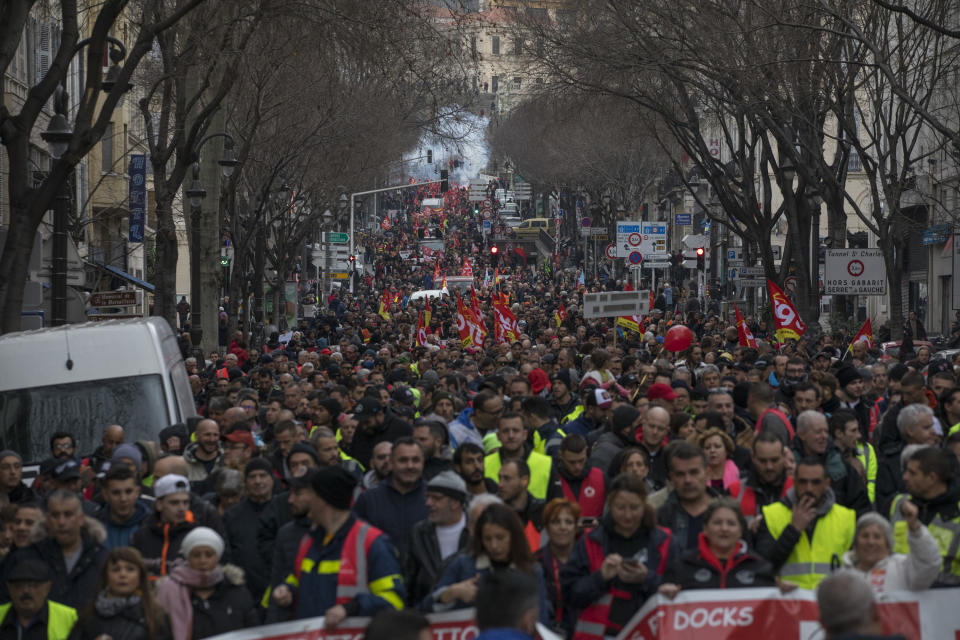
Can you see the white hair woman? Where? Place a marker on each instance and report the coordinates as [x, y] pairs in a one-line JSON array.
[[872, 553]]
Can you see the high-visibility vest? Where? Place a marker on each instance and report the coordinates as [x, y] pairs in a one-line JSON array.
[[223, 373], [573, 415], [868, 458], [352, 569], [595, 618], [60, 619], [946, 533], [592, 493], [811, 560], [747, 498], [539, 471]]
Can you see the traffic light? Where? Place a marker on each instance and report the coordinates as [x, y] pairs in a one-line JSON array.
[[495, 255], [225, 261], [429, 156], [476, 209], [444, 184], [353, 263], [701, 259]]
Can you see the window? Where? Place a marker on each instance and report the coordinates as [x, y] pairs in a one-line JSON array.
[[517, 46], [516, 83], [473, 45], [853, 162], [106, 150], [495, 45], [495, 81]]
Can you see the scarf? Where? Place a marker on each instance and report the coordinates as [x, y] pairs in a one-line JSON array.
[[109, 606], [173, 594]]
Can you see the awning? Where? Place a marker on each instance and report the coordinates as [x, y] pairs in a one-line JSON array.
[[123, 275]]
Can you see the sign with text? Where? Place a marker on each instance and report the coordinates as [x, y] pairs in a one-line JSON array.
[[855, 272], [138, 196], [610, 304], [637, 235], [113, 299], [748, 614]]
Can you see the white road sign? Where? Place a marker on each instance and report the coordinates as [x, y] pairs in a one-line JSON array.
[[637, 235], [656, 265], [855, 272], [610, 304]]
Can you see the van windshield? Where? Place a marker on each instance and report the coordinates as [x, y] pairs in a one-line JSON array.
[[28, 417]]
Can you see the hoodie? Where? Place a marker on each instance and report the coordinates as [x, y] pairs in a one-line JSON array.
[[463, 430], [119, 535]]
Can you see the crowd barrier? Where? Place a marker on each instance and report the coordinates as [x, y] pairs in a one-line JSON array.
[[708, 614]]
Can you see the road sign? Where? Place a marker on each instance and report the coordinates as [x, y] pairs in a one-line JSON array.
[[611, 304], [694, 240], [752, 282], [592, 232], [733, 254], [656, 265], [487, 225], [486, 214], [751, 271], [855, 272], [339, 275], [336, 237], [585, 222], [690, 264], [635, 257], [683, 219], [113, 299], [734, 263], [611, 250], [498, 229]]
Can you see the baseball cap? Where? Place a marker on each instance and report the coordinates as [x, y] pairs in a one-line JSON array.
[[599, 398], [168, 484], [67, 470], [366, 408], [29, 570]]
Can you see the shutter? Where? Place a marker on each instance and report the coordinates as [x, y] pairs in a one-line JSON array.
[[43, 50]]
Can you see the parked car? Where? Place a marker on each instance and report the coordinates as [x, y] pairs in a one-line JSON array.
[[891, 350], [533, 226]]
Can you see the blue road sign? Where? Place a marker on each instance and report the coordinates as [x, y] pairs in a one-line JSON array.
[[635, 257], [683, 219]]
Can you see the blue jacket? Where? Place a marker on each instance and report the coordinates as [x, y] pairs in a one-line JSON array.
[[317, 589], [118, 535], [463, 430], [393, 512], [464, 566], [581, 425]]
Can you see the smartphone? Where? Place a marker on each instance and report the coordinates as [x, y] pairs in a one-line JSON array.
[[631, 562], [588, 523]]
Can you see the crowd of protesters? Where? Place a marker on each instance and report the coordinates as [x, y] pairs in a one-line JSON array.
[[343, 469]]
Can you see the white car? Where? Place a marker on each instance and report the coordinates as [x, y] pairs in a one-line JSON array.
[[511, 221], [426, 293]]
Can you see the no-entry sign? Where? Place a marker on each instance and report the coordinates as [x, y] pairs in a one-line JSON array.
[[855, 272]]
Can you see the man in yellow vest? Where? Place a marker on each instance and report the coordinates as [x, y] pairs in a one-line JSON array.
[[30, 614], [806, 533], [513, 444]]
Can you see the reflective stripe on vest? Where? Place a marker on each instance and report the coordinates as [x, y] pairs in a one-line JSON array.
[[595, 618], [573, 415], [223, 373], [946, 533], [868, 458], [811, 560], [60, 619], [351, 570], [591, 496]]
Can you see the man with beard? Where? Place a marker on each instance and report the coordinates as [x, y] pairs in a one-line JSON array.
[[30, 613], [576, 480], [379, 467], [813, 440], [563, 403], [804, 532], [468, 463], [284, 547], [241, 519], [513, 490], [204, 456], [767, 481], [431, 435], [513, 445]]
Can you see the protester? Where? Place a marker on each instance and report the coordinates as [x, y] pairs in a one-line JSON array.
[[560, 521], [29, 612]]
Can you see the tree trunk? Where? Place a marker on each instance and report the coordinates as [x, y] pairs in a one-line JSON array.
[[168, 252], [259, 257], [14, 264]]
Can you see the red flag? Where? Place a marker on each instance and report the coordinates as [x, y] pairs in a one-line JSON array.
[[436, 271], [633, 323], [467, 269], [504, 322], [864, 335], [560, 315], [788, 322], [421, 332], [651, 299], [427, 314], [743, 331]]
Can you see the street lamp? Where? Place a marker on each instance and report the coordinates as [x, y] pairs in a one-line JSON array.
[[196, 194], [788, 169], [58, 135]]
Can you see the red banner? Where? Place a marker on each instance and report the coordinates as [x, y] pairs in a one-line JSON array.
[[744, 334]]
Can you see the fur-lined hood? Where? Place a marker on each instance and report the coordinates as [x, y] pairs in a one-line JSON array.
[[92, 527], [232, 574]]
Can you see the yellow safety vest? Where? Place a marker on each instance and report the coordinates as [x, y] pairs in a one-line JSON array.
[[539, 471], [811, 561], [60, 619], [953, 429], [540, 445], [946, 533], [344, 456], [868, 458], [573, 415]]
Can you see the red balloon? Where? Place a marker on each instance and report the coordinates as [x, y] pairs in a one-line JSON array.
[[678, 338]]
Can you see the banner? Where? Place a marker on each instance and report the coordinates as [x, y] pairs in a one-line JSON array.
[[762, 614], [452, 625], [138, 196], [788, 322], [864, 335]]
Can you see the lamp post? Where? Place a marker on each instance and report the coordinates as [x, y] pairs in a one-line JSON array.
[[196, 193], [814, 200]]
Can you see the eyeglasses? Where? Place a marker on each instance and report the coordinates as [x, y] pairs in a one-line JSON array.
[[63, 446]]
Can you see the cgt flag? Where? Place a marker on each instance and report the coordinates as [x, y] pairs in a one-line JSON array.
[[788, 322], [864, 335], [744, 334]]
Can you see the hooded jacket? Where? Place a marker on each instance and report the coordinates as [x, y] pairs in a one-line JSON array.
[[197, 472], [393, 512], [463, 430], [902, 572], [700, 568], [71, 588], [119, 534], [126, 623], [159, 542]]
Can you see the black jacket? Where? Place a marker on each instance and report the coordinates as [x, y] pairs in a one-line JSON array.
[[423, 564], [699, 568], [778, 550], [674, 517], [848, 487], [159, 542], [241, 521], [393, 428], [127, 624], [284, 550], [393, 512], [274, 515], [228, 608]]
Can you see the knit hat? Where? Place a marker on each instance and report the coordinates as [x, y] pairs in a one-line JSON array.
[[241, 435], [563, 375], [430, 375], [335, 485], [168, 484], [538, 380], [661, 391], [10, 453], [449, 484], [304, 447], [624, 416], [847, 375], [130, 451], [333, 407], [201, 537], [257, 464]]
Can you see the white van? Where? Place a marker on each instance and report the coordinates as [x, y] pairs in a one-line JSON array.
[[82, 378]]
